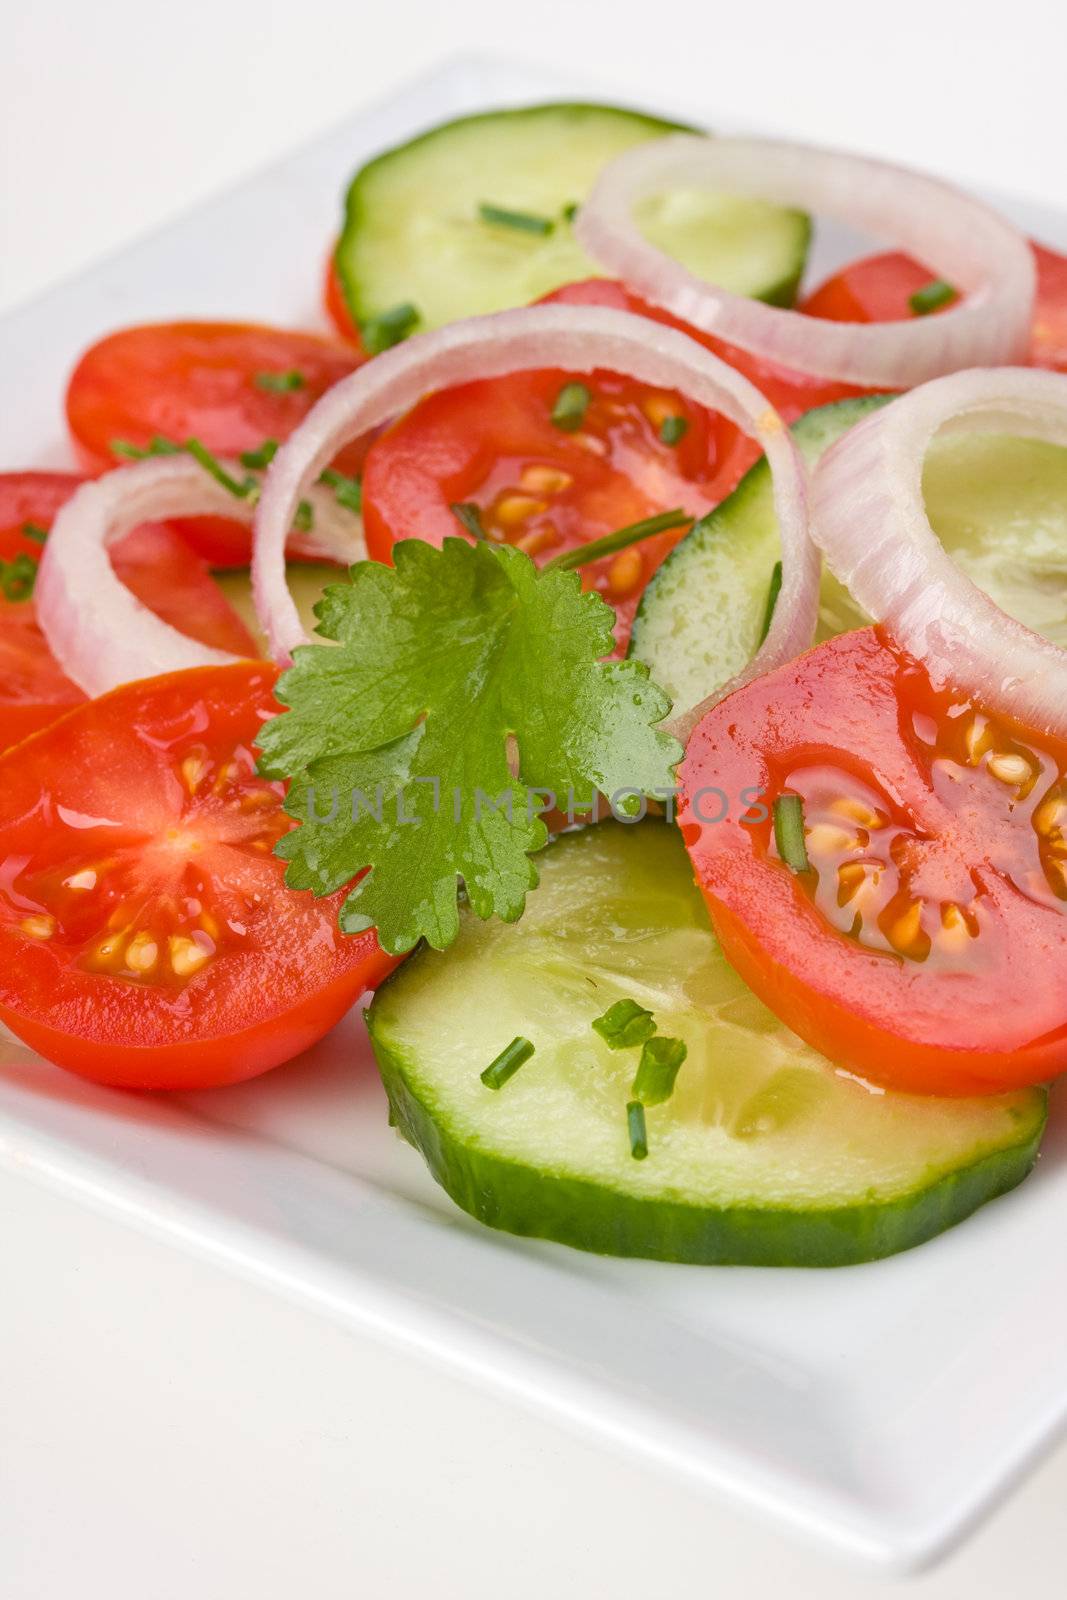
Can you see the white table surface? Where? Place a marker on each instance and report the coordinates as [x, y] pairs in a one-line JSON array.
[[254, 1452]]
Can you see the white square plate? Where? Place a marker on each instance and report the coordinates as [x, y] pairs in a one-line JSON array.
[[881, 1408]]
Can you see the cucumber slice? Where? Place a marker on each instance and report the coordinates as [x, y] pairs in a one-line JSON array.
[[997, 503], [307, 580], [764, 1154], [700, 619], [414, 233]]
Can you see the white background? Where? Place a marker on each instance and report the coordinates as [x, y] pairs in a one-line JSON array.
[[115, 116]]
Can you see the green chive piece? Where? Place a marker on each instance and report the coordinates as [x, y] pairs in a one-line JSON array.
[[469, 516], [34, 531], [672, 430], [280, 382], [389, 327], [524, 221], [348, 491], [17, 577], [570, 211], [774, 589], [635, 1122], [249, 490], [583, 554], [157, 446], [304, 520], [660, 1060], [260, 458], [625, 1025], [572, 402], [932, 296], [789, 832], [507, 1063]]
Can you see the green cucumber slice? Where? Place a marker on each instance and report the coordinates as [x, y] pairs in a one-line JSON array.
[[998, 504], [414, 232], [306, 579], [764, 1154]]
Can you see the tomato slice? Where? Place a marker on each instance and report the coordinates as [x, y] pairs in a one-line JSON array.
[[152, 560], [547, 490], [148, 938], [204, 380], [925, 945], [879, 289], [333, 298]]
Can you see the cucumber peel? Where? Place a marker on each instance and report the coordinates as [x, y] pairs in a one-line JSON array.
[[763, 1154]]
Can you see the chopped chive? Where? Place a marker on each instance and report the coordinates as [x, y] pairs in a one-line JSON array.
[[249, 490], [34, 531], [789, 832], [572, 402], [625, 1025], [389, 327], [280, 382], [157, 446], [260, 458], [657, 1070], [17, 577], [348, 491], [672, 430], [469, 516], [507, 1063], [304, 520], [932, 296], [774, 589], [583, 554], [635, 1122], [524, 221], [570, 211]]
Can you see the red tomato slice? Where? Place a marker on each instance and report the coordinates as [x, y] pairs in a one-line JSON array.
[[493, 444], [152, 560], [926, 944], [333, 298], [202, 380], [148, 939], [879, 288]]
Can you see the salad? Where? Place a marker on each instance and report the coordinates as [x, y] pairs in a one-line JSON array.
[[642, 673]]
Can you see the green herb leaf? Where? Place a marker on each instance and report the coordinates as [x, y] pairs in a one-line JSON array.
[[625, 1025], [570, 211], [635, 1126], [304, 520], [260, 458], [469, 516], [932, 296], [583, 554], [34, 531], [572, 402], [389, 327], [524, 221], [17, 577], [672, 430], [398, 741], [348, 491], [248, 490], [280, 382], [657, 1070], [507, 1063], [789, 832], [157, 446], [774, 589]]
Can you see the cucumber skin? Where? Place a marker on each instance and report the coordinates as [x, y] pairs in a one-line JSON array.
[[509, 1196], [783, 293]]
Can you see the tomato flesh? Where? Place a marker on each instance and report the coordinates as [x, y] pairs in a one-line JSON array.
[[185, 380], [148, 939], [879, 289], [151, 560], [925, 945], [333, 298]]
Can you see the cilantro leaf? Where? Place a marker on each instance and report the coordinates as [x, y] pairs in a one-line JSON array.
[[466, 683]]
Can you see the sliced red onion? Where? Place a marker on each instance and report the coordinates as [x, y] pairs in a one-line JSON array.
[[98, 631], [869, 517], [958, 238], [575, 339]]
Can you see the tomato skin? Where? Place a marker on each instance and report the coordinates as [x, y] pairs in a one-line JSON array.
[[991, 1018], [108, 794], [333, 298], [197, 379], [878, 289], [151, 560]]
